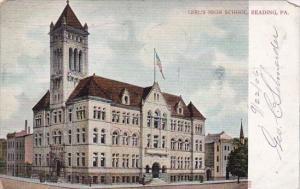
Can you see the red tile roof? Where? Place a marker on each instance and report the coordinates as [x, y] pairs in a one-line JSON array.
[[112, 90], [44, 103], [70, 18], [195, 112]]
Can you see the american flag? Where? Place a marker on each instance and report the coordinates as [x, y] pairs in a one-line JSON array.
[[158, 63]]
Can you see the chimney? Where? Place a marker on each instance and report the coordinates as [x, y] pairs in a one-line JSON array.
[[28, 130], [26, 126]]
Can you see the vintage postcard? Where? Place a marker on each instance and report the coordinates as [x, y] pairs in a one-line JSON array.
[[149, 94]]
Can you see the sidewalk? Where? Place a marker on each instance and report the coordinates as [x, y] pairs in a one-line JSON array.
[[99, 186]]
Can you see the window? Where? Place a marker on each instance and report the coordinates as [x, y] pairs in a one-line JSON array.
[[48, 138], [70, 115], [135, 119], [69, 159], [55, 117], [115, 160], [217, 158], [102, 160], [148, 140], [157, 119], [70, 136], [115, 138], [38, 120], [115, 116], [180, 144], [147, 168], [83, 135], [155, 141], [95, 159], [186, 145], [164, 121], [78, 136], [40, 139], [134, 140], [173, 162], [126, 100], [125, 162], [163, 143], [200, 146], [36, 139], [149, 119], [80, 113], [217, 169], [78, 159], [218, 148], [48, 119], [125, 139], [102, 136], [197, 145], [173, 143], [95, 135], [99, 113], [83, 159], [59, 116]]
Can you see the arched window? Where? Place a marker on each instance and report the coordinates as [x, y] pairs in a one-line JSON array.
[[95, 135], [180, 144], [156, 119], [125, 139], [75, 60], [79, 61], [134, 140], [103, 136], [115, 138], [71, 58], [149, 118], [173, 143], [186, 145], [36, 139]]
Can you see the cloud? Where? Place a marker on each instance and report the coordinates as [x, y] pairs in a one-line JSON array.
[[8, 101]]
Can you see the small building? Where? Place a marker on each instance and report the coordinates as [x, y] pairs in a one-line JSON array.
[[3, 152], [217, 149], [19, 152]]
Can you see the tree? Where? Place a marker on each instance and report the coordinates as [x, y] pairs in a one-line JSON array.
[[238, 161]]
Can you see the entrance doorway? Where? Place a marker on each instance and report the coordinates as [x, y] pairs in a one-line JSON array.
[[155, 170], [208, 174]]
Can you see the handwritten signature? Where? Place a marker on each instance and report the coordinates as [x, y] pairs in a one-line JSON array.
[[267, 90]]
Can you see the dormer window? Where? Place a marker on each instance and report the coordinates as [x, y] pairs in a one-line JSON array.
[[125, 97], [180, 110]]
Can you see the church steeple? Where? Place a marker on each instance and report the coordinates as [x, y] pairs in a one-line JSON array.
[[68, 55], [242, 138]]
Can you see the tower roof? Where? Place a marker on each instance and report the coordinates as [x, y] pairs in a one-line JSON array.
[[241, 131], [69, 18]]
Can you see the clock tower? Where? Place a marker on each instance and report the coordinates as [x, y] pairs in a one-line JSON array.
[[68, 56]]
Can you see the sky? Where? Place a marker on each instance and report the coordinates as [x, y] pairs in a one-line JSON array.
[[204, 58]]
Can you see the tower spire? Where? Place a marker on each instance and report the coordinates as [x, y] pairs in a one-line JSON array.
[[242, 139], [67, 1]]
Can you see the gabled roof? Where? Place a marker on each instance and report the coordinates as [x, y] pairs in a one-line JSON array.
[[111, 90], [108, 89], [173, 100], [44, 103], [69, 17], [195, 112]]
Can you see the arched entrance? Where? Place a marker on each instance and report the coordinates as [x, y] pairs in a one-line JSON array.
[[155, 170]]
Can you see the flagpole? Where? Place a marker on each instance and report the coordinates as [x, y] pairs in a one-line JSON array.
[[154, 65]]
